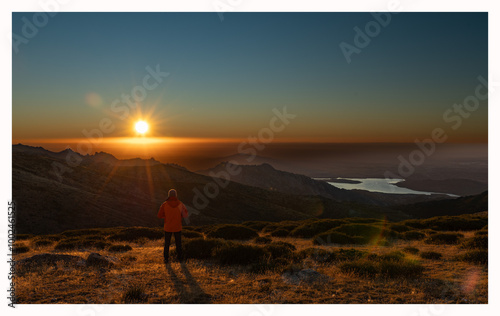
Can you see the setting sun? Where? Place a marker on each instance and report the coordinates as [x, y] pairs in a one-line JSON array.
[[141, 127]]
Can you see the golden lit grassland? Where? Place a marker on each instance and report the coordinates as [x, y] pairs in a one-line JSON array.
[[374, 272], [202, 281]]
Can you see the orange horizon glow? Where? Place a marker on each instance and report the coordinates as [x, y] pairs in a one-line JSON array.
[[145, 140]]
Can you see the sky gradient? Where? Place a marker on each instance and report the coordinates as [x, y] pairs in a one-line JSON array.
[[226, 77]]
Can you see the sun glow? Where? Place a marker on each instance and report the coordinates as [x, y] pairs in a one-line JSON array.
[[141, 127]]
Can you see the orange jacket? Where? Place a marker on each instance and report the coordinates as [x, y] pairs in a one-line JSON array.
[[172, 211]]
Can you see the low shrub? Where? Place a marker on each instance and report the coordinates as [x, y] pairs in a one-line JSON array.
[[361, 267], [449, 223], [444, 238], [386, 268], [474, 256], [256, 225], [481, 233], [199, 248], [400, 228], [317, 254], [119, 248], [42, 242], [83, 232], [49, 237], [392, 256], [347, 254], [277, 255], [280, 232], [287, 225], [236, 253], [232, 232], [135, 234], [286, 244], [413, 235], [80, 243], [334, 237], [411, 250], [263, 240], [311, 229], [355, 234], [198, 229], [279, 250], [476, 242], [191, 234], [20, 249], [401, 269], [367, 232], [359, 230], [269, 227], [432, 255], [363, 220], [24, 236]]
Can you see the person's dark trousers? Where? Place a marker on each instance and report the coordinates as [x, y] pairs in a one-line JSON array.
[[178, 245]]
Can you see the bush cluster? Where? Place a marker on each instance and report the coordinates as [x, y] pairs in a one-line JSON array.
[[359, 234], [82, 242], [232, 232], [449, 223], [447, 238], [474, 256], [134, 234], [392, 265], [311, 229], [476, 242]]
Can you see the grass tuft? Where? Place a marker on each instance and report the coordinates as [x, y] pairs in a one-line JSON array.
[[134, 294]]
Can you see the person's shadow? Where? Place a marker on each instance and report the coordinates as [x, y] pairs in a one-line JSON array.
[[189, 291]]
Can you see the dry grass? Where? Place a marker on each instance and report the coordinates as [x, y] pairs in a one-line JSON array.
[[141, 277]]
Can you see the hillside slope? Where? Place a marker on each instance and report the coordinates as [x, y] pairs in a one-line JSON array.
[[103, 191]]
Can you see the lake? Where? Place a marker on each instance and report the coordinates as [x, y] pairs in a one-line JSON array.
[[377, 185]]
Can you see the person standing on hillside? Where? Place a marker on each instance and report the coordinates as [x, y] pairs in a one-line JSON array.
[[172, 211]]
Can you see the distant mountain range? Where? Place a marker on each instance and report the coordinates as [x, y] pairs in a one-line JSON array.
[[102, 191], [267, 177]]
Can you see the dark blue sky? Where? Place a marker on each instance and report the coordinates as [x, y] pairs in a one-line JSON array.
[[226, 77]]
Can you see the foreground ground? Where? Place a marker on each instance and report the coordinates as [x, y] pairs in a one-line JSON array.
[[140, 276]]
